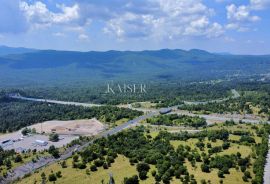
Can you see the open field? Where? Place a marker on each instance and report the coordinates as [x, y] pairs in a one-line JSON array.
[[73, 127], [122, 168]]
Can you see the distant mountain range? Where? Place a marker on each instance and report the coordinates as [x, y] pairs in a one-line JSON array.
[[22, 66], [4, 50]]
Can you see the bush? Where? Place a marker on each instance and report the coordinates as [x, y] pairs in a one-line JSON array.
[[26, 131], [142, 167], [205, 168], [143, 175], [220, 174], [246, 138], [132, 180], [154, 172], [52, 177], [53, 151], [93, 168], [225, 145], [243, 168], [58, 174], [87, 171], [99, 163], [81, 165], [203, 182], [64, 164], [54, 137], [18, 158], [245, 179], [75, 158], [247, 174], [225, 170], [105, 165]]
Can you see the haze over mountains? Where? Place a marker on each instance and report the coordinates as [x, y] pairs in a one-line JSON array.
[[21, 66]]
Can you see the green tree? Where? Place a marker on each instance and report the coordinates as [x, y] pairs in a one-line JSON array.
[[52, 177], [54, 137]]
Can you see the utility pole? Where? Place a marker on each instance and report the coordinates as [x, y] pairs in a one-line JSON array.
[[41, 129]]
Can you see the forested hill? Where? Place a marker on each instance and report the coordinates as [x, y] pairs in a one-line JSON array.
[[4, 50], [50, 66]]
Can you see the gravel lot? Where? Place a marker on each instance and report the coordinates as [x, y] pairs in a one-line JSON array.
[[67, 130], [72, 127], [20, 143]]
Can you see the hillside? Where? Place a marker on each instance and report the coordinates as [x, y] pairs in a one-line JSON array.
[[4, 50], [67, 67]]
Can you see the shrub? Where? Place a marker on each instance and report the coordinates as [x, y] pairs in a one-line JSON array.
[[52, 177], [132, 180], [220, 174], [93, 168], [58, 174]]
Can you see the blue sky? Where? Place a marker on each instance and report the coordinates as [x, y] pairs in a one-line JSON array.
[[241, 26]]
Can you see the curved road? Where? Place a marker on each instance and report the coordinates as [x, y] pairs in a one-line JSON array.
[[18, 96], [30, 166]]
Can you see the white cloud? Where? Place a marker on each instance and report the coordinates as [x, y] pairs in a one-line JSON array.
[[237, 26], [241, 13], [39, 15], [165, 19], [59, 34], [240, 17], [83, 37], [259, 4]]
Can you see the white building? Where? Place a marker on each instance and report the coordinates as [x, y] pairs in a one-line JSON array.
[[41, 143]]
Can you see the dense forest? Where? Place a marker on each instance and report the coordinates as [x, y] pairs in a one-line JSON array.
[[177, 120], [18, 114], [51, 67], [165, 94]]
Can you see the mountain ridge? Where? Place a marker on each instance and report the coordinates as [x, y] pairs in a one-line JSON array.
[[49, 66]]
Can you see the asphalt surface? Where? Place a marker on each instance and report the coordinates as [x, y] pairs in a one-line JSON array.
[[233, 91], [30, 167], [15, 96], [266, 176], [210, 119]]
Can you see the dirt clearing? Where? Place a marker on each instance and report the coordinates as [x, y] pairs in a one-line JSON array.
[[72, 127]]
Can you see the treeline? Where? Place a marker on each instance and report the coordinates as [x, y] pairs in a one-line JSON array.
[[228, 106], [259, 164], [240, 105], [165, 94], [15, 115], [177, 120], [7, 158], [256, 94]]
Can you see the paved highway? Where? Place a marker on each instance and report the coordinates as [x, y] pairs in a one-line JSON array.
[[211, 118], [17, 96], [29, 167], [266, 176], [233, 91]]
